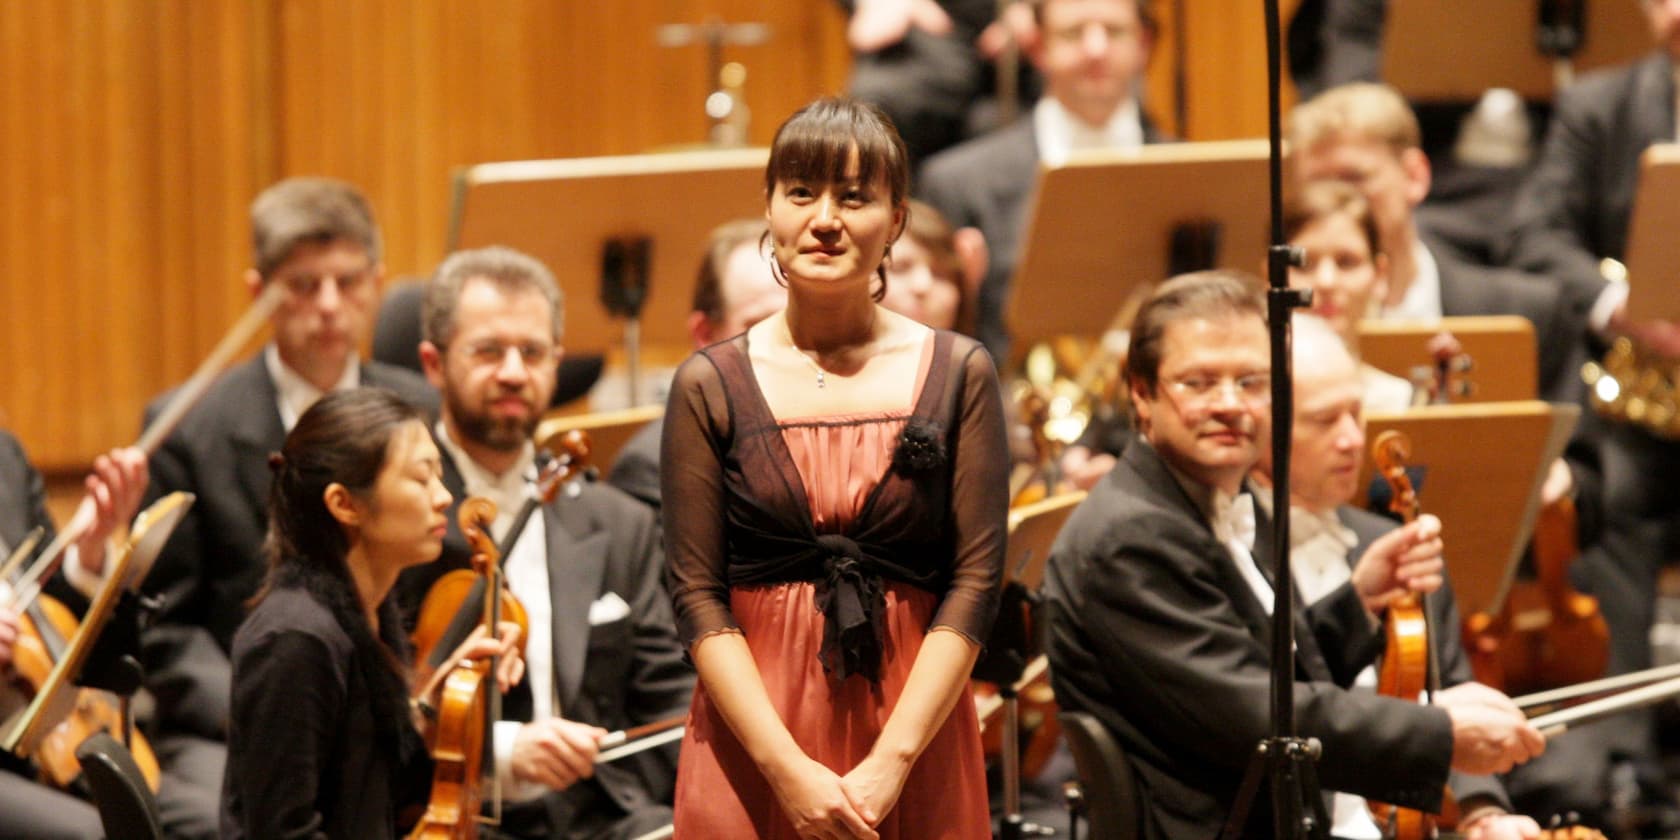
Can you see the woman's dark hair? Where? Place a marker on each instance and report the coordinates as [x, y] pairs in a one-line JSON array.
[[344, 438], [816, 143]]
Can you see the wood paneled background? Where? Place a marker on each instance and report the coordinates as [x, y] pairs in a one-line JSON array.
[[133, 134]]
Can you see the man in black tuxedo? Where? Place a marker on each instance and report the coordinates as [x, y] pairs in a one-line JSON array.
[[1092, 54], [1157, 598], [602, 654], [318, 239], [1366, 135]]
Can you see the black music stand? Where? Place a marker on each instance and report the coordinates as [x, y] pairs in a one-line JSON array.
[[1013, 644]]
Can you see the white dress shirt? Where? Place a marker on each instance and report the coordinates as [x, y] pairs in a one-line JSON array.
[[294, 394], [1422, 301], [1059, 133]]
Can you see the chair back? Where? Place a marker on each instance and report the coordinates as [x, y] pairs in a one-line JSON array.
[[1111, 796], [126, 806]]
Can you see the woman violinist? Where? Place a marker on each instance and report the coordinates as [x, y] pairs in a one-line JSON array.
[[322, 742], [834, 484]]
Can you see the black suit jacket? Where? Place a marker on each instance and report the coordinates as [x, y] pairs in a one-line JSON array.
[[1559, 332], [1575, 206], [214, 561], [987, 183], [616, 674], [1153, 630], [636, 469], [23, 496]]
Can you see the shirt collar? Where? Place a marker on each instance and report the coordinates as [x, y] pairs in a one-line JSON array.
[[295, 394], [508, 490], [1423, 297], [1060, 133]]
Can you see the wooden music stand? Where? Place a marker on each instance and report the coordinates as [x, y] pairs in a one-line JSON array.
[[1501, 348], [564, 211], [1492, 44], [608, 430], [1103, 222], [1651, 247], [1032, 530], [1483, 465]]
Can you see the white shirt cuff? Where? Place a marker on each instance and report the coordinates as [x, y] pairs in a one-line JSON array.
[[81, 579], [503, 733], [1614, 295]]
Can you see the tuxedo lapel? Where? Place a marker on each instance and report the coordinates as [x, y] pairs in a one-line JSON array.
[[575, 570], [258, 432], [14, 499]]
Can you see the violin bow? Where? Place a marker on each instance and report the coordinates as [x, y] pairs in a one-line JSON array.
[[188, 395], [21, 553], [628, 742]]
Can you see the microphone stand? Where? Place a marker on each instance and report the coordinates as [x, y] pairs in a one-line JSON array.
[[1284, 759]]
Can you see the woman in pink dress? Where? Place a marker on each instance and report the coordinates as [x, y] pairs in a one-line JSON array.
[[835, 519]]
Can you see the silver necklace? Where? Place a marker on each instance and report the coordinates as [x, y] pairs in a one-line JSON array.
[[822, 375]]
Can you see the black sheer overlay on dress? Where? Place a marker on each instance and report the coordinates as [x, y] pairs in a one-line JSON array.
[[737, 513]]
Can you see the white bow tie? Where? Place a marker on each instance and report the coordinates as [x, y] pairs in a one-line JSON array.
[[1234, 520]]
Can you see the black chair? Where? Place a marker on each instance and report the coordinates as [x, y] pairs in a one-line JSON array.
[[126, 806], [1111, 795]]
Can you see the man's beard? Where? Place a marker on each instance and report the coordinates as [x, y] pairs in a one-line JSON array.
[[503, 435]]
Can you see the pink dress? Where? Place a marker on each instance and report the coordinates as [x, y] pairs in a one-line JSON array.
[[720, 791]]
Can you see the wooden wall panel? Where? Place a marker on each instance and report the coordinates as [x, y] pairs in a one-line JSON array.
[[137, 132]]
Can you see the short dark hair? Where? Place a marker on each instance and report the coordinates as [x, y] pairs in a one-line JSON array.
[[815, 144], [308, 209], [1205, 295], [708, 281], [1146, 14], [1324, 198], [507, 269]]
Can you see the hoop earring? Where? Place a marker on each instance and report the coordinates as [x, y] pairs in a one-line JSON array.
[[769, 255]]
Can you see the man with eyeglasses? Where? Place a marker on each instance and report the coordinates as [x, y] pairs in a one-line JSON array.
[[602, 654], [1158, 595], [317, 238]]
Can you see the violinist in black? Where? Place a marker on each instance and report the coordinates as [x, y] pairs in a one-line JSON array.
[[27, 807], [321, 742]]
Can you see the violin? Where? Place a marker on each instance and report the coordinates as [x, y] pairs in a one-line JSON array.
[[1409, 668], [449, 593], [1542, 633], [464, 704], [43, 631], [60, 716], [1539, 634]]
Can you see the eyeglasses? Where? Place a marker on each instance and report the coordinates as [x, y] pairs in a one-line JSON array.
[[532, 354], [307, 286], [1250, 388]]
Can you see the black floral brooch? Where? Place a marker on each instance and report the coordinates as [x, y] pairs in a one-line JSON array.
[[921, 446]]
